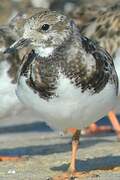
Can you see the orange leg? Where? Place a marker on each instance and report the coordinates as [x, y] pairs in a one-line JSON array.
[[115, 123], [72, 171], [9, 158], [93, 128], [75, 144]]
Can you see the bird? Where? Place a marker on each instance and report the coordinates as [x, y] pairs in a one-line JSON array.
[[69, 79], [104, 28], [93, 22], [10, 105]]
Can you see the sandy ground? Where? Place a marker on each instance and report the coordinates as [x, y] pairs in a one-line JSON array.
[[45, 153]]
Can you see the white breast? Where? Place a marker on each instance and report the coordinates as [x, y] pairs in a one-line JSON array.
[[44, 52], [71, 108], [8, 98]]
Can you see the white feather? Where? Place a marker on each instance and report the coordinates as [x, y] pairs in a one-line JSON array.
[[2, 49], [8, 98], [41, 3], [44, 52]]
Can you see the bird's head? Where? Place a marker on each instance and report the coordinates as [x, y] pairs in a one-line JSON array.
[[44, 31]]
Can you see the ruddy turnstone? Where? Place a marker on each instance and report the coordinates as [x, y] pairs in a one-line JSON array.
[[104, 28], [83, 14], [67, 77], [10, 106]]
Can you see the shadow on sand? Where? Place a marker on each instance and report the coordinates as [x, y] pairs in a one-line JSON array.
[[99, 163], [31, 127], [86, 165], [49, 148]]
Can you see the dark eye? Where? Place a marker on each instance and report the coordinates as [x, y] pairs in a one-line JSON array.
[[45, 27]]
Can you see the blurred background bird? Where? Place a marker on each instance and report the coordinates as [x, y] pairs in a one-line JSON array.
[[10, 107], [102, 23]]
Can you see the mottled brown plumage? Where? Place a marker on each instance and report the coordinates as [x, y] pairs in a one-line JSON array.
[[102, 24], [104, 27], [46, 70], [9, 33]]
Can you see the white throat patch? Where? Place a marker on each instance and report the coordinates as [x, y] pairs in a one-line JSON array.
[[44, 52]]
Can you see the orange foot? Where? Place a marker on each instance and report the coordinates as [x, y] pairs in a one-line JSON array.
[[9, 158], [115, 123]]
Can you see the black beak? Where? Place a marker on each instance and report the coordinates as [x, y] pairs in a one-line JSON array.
[[21, 43]]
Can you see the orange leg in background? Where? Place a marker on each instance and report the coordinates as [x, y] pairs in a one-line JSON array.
[[9, 158], [115, 123], [93, 128]]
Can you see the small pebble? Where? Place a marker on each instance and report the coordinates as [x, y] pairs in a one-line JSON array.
[[49, 178], [11, 171]]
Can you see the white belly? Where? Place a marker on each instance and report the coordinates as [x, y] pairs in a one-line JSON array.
[[8, 98], [72, 108]]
